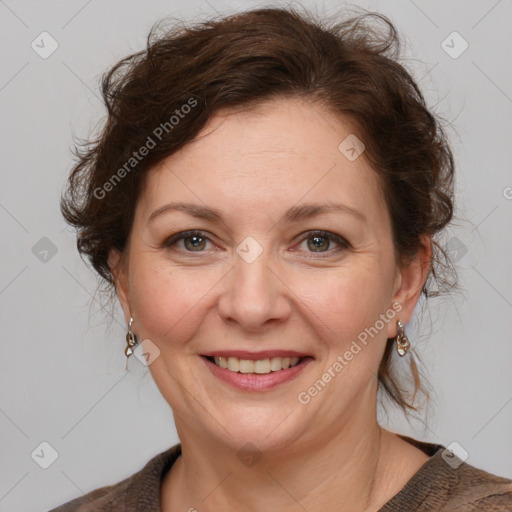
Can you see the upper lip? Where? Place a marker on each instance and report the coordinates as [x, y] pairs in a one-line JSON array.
[[254, 356]]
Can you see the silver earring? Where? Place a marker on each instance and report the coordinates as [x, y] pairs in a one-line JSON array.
[[402, 342], [131, 341]]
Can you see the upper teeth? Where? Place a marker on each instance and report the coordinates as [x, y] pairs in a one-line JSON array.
[[273, 364]]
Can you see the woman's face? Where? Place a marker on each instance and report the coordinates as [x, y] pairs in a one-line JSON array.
[[256, 281]]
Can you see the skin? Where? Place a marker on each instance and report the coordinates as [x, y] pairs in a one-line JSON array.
[[329, 454]]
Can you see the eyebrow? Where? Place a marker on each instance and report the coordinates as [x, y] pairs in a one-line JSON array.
[[294, 214]]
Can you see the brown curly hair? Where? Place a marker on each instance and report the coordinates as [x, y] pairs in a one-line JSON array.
[[349, 66]]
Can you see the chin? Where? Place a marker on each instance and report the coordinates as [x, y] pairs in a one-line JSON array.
[[262, 428]]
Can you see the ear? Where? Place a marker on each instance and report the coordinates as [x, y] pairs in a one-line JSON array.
[[120, 276], [409, 284]]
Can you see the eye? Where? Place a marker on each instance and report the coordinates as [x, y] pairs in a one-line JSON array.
[[316, 241], [193, 241], [321, 241]]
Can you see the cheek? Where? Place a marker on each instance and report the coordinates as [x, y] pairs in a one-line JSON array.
[[168, 302], [171, 304], [342, 303]]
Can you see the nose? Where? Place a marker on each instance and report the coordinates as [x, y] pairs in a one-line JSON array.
[[255, 295]]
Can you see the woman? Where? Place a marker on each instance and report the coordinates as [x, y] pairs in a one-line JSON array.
[[265, 198]]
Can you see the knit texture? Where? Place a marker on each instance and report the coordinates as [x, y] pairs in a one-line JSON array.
[[438, 486]]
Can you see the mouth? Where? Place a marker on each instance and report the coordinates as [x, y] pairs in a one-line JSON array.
[[256, 371], [258, 366]]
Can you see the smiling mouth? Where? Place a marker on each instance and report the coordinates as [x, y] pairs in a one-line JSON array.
[[258, 366]]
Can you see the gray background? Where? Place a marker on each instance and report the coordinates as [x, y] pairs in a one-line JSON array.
[[62, 376]]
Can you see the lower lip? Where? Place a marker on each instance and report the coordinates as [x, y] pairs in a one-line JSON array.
[[254, 381]]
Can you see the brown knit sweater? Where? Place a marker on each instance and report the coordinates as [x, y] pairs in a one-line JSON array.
[[436, 487]]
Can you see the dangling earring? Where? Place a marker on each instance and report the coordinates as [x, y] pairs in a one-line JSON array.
[[131, 341], [402, 343]]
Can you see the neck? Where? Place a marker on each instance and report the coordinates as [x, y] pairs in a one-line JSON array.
[[343, 473]]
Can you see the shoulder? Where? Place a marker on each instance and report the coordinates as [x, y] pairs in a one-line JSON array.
[[104, 498], [469, 488], [446, 483], [140, 489]]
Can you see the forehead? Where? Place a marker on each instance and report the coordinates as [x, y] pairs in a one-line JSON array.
[[267, 159]]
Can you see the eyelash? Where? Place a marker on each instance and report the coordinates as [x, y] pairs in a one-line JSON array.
[[174, 239]]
